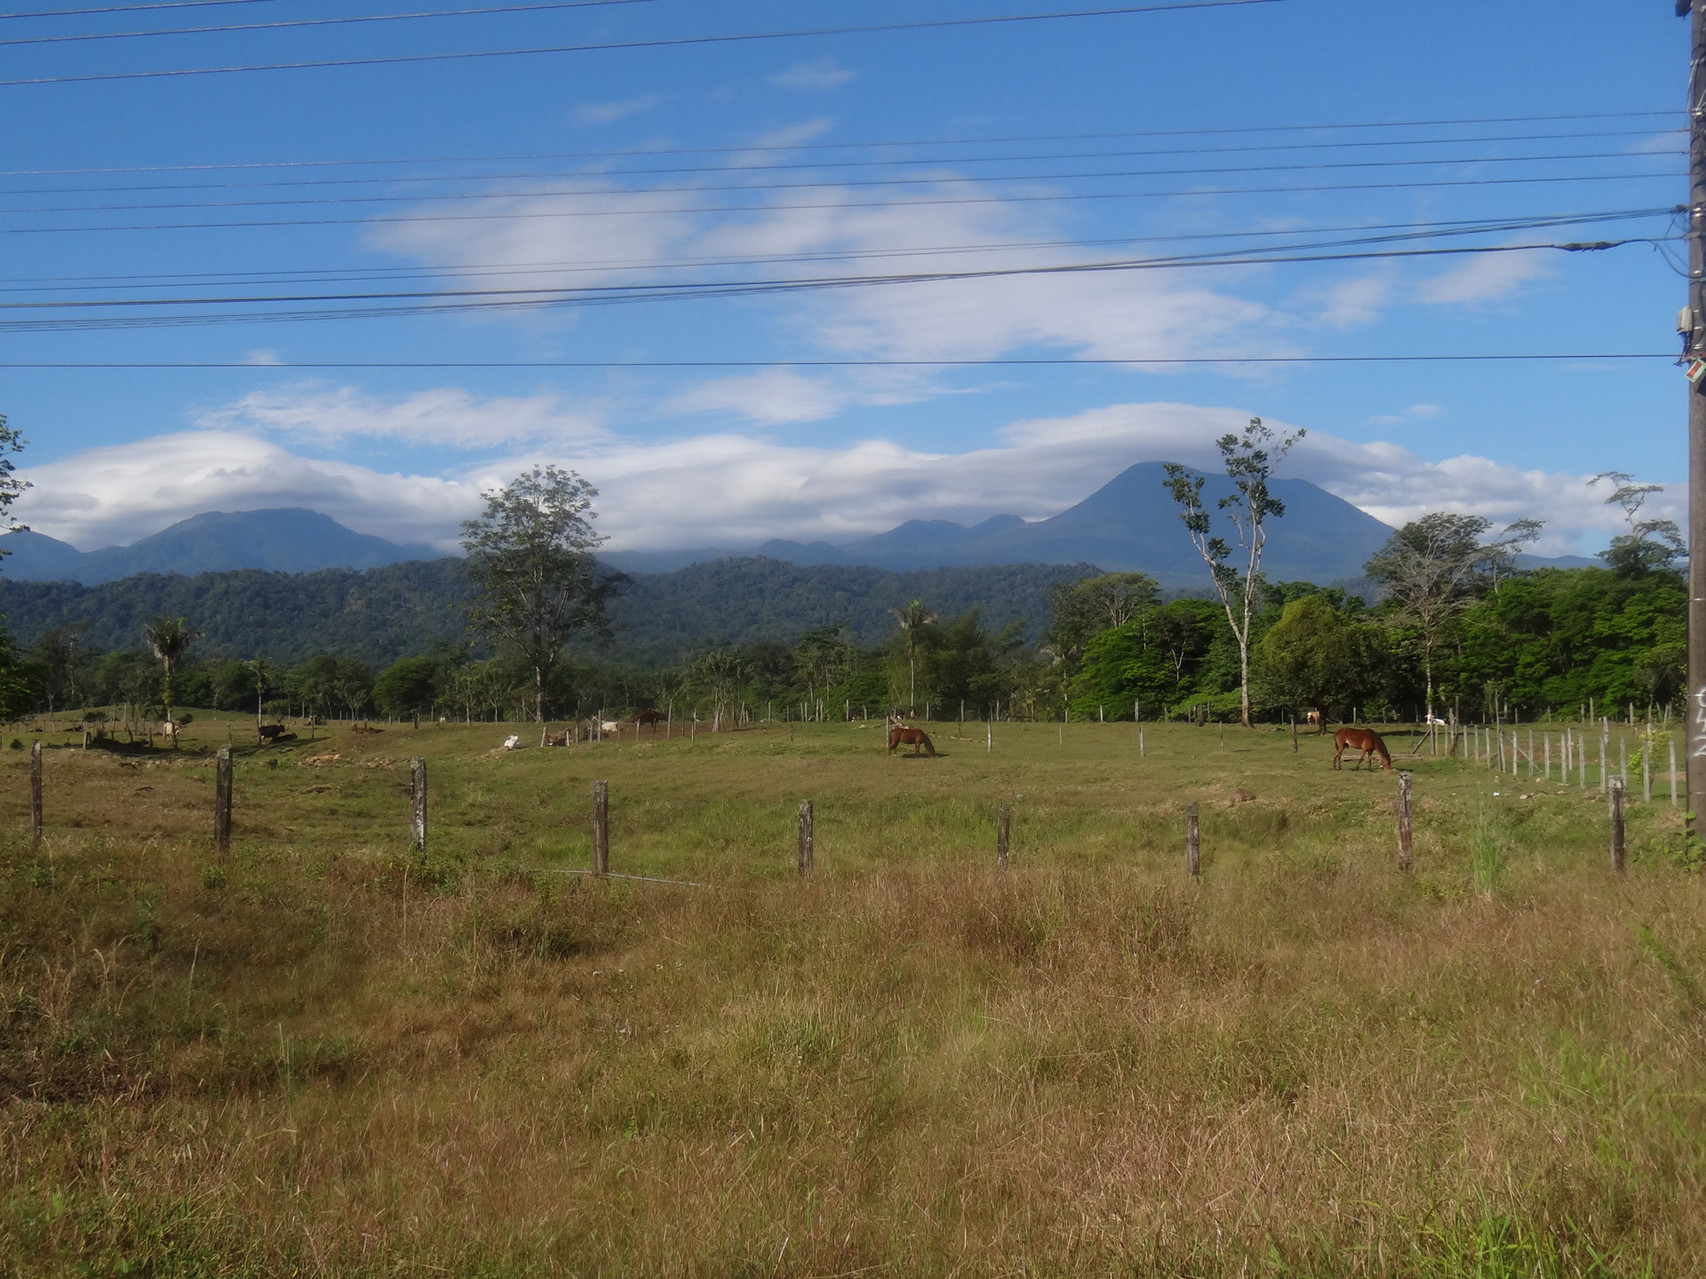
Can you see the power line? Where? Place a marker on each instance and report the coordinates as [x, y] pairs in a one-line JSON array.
[[444, 301], [818, 165], [898, 143], [932, 180], [81, 36], [613, 46], [999, 361], [128, 8], [1399, 231], [1012, 198]]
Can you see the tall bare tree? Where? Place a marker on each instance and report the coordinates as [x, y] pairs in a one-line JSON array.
[[1434, 567], [536, 582], [1649, 544], [1250, 460]]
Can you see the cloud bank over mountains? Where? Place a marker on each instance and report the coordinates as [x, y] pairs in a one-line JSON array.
[[728, 487]]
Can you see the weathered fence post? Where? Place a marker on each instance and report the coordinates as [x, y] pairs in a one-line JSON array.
[[417, 805], [1193, 842], [1619, 856], [1406, 856], [805, 837], [35, 794], [1294, 734], [601, 828], [1672, 743], [222, 801], [1003, 834]]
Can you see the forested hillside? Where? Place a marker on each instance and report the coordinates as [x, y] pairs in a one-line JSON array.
[[382, 614]]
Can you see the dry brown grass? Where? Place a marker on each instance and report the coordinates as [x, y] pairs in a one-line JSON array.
[[320, 1055]]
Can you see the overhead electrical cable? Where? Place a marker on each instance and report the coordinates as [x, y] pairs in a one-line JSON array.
[[614, 46], [1398, 232], [908, 202], [439, 301], [996, 361], [930, 180], [818, 165], [346, 20], [129, 8], [898, 143]]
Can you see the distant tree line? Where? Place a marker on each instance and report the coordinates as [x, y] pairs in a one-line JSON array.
[[1456, 627]]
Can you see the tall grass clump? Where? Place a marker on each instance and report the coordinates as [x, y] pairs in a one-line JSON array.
[[1489, 848]]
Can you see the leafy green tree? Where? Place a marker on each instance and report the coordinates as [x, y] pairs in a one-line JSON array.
[[536, 582], [1315, 656], [1081, 610], [11, 441], [913, 623], [170, 638], [1166, 655], [1556, 638], [407, 687], [1250, 461]]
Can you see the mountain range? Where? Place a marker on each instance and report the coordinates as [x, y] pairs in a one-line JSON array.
[[291, 540], [1129, 524]]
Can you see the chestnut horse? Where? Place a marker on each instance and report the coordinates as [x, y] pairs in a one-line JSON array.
[[901, 735], [1365, 740]]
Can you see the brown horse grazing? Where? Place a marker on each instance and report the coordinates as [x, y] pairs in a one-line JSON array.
[[1365, 740], [654, 718], [901, 735]]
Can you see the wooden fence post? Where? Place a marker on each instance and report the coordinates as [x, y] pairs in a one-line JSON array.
[[805, 837], [601, 828], [1672, 743], [1003, 834], [222, 801], [418, 805], [1193, 842], [1294, 734], [1619, 855], [1406, 857], [35, 794]]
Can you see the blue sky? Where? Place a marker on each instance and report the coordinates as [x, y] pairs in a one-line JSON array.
[[997, 159]]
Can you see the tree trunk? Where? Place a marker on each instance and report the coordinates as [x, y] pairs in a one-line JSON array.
[[1244, 673]]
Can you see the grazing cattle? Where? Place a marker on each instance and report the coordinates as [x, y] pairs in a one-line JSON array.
[[270, 732], [610, 727], [1365, 740], [654, 718], [558, 739], [1314, 720]]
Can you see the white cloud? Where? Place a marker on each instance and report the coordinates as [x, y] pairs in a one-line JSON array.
[[1357, 301], [446, 416], [610, 112], [1415, 413], [263, 356], [1484, 277], [816, 76], [735, 489], [770, 398], [115, 495]]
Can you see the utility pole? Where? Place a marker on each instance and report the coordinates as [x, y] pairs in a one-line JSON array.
[[1693, 327]]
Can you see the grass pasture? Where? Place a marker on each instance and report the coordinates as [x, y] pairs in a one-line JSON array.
[[322, 1055]]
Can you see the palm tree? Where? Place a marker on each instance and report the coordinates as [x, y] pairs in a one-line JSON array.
[[912, 620], [262, 670], [170, 638]]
